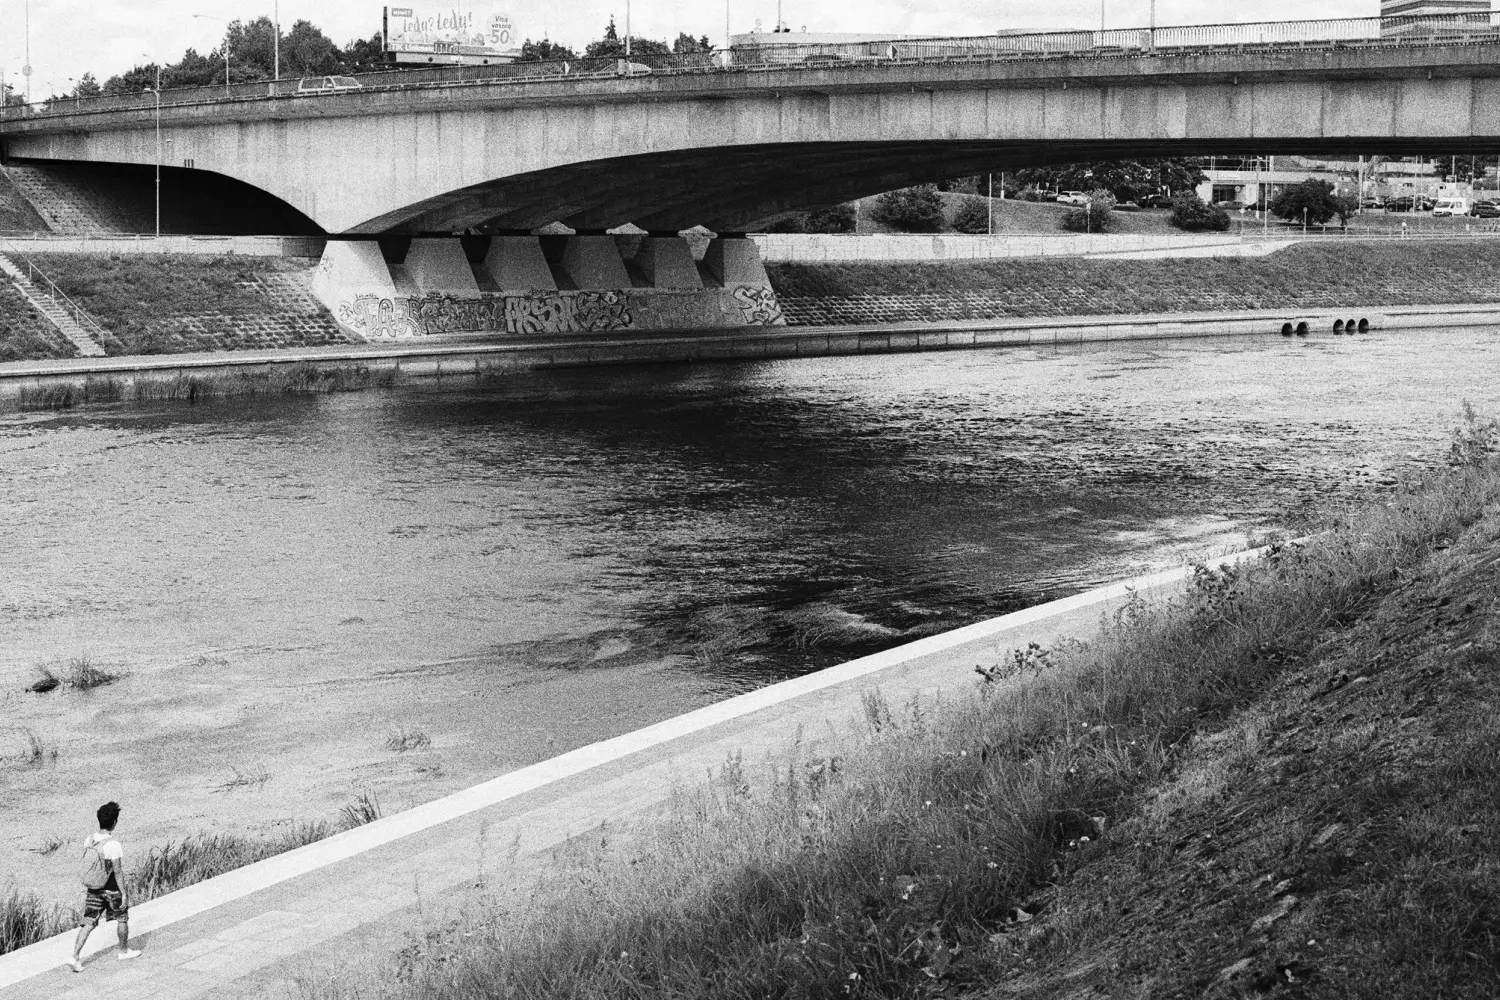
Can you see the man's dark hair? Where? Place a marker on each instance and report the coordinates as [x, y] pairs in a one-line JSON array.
[[109, 815]]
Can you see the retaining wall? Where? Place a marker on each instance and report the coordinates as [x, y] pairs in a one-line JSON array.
[[814, 247]]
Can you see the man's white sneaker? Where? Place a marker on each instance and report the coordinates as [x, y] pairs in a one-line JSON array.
[[75, 965], [128, 954]]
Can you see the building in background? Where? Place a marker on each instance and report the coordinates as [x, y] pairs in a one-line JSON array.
[[1429, 17]]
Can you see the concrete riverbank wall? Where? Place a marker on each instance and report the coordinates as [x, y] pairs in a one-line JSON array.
[[47, 384]]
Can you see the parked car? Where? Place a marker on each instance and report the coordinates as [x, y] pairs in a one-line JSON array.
[[1074, 198], [1451, 206], [1156, 201], [1485, 210], [326, 84], [1372, 203]]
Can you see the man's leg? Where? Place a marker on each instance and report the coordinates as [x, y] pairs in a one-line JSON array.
[[122, 932], [84, 929]]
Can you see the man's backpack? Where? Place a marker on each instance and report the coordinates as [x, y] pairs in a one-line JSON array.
[[93, 872]]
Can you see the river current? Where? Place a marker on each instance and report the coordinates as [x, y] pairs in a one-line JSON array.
[[565, 555]]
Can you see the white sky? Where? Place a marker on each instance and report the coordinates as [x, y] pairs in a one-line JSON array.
[[106, 37]]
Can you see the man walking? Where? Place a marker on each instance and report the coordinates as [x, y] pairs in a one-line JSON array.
[[103, 877]]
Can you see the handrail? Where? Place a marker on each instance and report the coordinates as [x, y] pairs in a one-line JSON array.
[[1481, 28], [83, 319]]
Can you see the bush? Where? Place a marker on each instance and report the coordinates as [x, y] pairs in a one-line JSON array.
[[1194, 215], [1095, 217], [1312, 201], [914, 210], [833, 219], [973, 216]]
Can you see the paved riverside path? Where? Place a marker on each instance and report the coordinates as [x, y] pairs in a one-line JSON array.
[[254, 932]]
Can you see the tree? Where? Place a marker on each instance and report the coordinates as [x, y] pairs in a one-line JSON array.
[[252, 49], [88, 87], [612, 46], [9, 96], [1347, 206], [687, 45], [306, 51], [1194, 215], [365, 55], [1313, 197], [133, 81], [545, 51], [193, 70], [915, 209], [1127, 180]]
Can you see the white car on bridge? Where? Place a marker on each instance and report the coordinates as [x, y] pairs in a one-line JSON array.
[[326, 84]]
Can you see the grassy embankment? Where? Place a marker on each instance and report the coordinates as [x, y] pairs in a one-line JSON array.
[[171, 303], [26, 334], [24, 919], [1284, 779], [1312, 275]]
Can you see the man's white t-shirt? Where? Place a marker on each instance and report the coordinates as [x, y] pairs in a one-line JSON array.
[[109, 848]]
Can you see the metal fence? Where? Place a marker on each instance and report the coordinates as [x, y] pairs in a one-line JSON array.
[[1134, 43]]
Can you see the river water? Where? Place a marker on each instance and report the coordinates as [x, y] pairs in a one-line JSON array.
[[518, 566]]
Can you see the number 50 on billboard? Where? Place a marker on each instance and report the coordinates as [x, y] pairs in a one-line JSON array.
[[450, 35]]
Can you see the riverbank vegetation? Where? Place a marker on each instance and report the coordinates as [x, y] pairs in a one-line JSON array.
[[1284, 778], [1313, 275], [25, 919]]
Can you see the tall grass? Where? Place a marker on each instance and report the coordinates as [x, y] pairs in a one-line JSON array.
[[25, 920], [889, 870]]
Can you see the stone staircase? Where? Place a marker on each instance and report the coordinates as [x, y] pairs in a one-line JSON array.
[[76, 201], [46, 302]]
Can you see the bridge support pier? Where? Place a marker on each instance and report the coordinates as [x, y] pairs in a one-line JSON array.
[[515, 291]]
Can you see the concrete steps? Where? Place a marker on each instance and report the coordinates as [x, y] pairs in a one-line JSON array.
[[44, 303], [73, 202]]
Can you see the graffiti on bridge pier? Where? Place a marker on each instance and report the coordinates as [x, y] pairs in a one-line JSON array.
[[383, 317]]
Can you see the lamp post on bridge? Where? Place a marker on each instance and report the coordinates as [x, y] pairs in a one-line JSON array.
[[157, 92], [210, 17]]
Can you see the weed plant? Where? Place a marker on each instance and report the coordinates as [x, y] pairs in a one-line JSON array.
[[80, 673], [887, 871], [405, 739], [25, 920]]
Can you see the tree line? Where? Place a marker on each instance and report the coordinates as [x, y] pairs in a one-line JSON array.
[[307, 51]]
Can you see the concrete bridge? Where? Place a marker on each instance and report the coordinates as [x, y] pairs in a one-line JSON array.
[[728, 146], [690, 142]]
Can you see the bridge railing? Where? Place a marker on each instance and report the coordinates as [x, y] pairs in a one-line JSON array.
[[1381, 32]]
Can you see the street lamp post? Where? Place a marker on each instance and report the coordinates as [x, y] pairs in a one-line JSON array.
[[210, 17], [276, 42], [158, 147], [627, 29]]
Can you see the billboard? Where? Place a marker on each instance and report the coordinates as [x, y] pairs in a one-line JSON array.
[[451, 34]]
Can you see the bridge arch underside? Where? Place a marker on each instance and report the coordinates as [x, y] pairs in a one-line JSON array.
[[735, 188], [121, 197]]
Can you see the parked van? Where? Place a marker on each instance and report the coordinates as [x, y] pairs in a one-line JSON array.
[[1451, 206]]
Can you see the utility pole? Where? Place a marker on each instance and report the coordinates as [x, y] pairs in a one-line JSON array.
[[26, 69], [627, 29], [276, 42]]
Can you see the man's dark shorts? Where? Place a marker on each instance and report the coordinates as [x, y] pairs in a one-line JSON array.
[[103, 902]]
